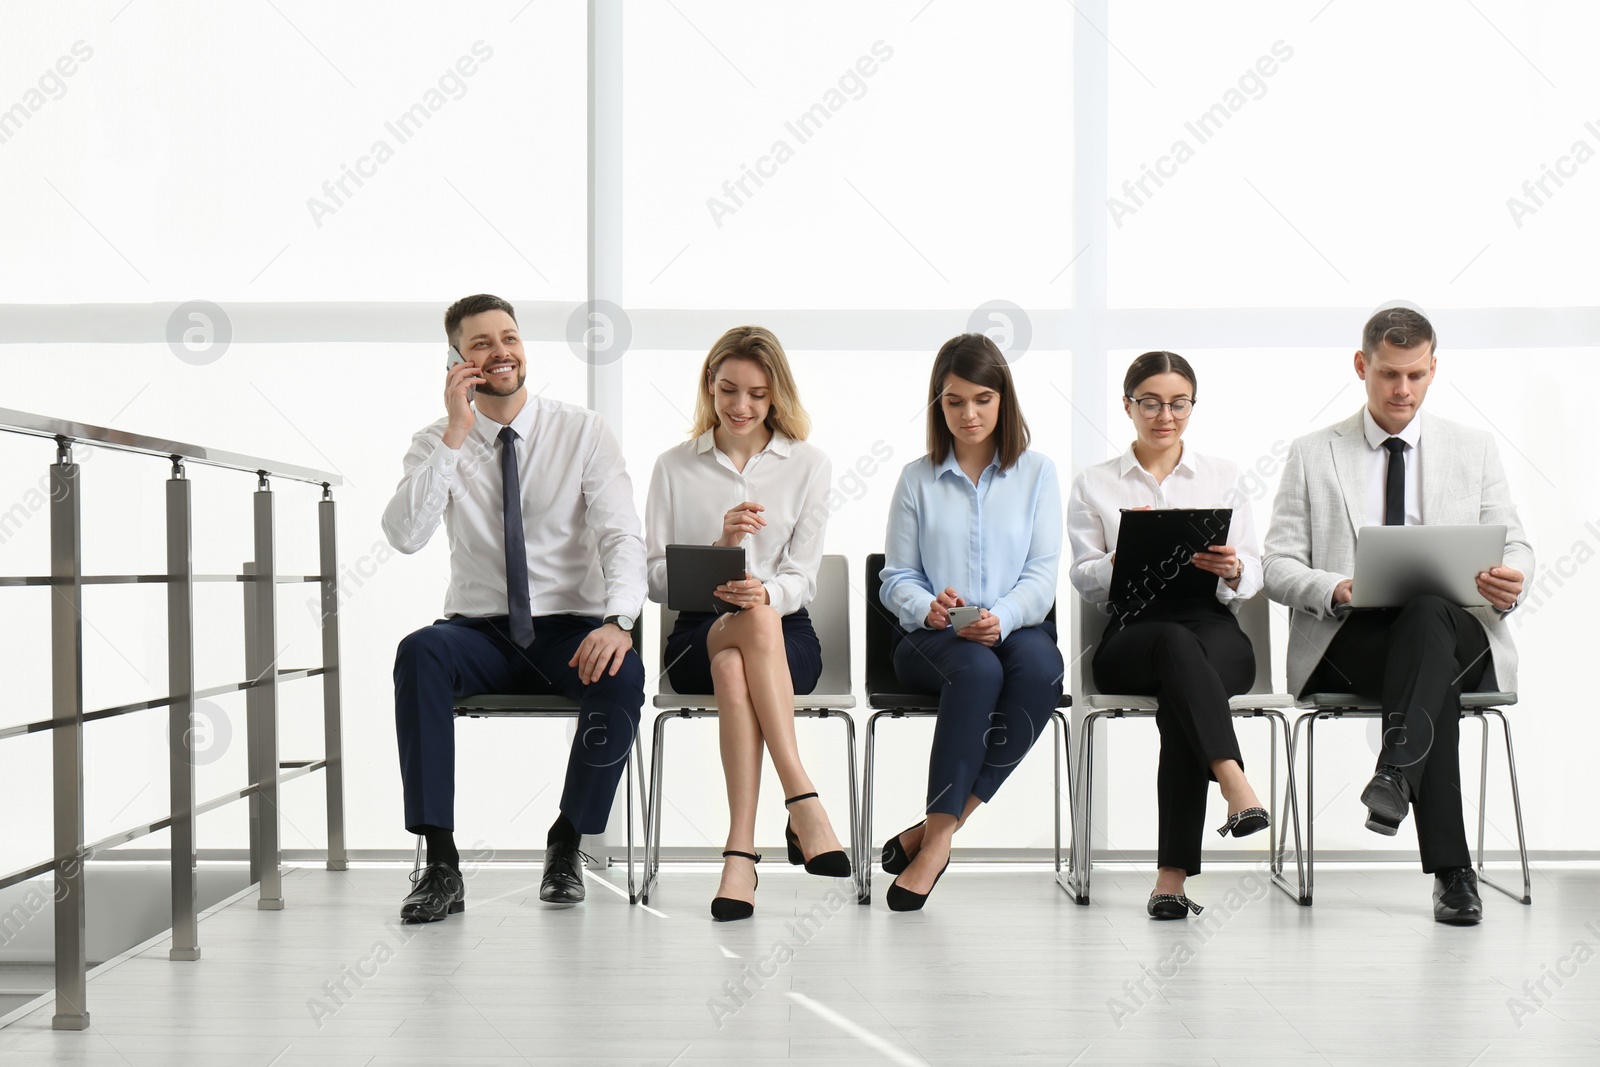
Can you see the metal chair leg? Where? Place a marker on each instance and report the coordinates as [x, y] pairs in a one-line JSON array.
[[1083, 843], [1291, 801], [864, 831], [416, 864], [1516, 806], [1057, 744], [635, 759], [1311, 803], [857, 852], [652, 845]]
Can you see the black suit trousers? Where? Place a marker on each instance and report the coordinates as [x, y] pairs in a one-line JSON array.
[[1417, 661], [1191, 656]]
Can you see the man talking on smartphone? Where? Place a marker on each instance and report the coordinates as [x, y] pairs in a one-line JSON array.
[[547, 575]]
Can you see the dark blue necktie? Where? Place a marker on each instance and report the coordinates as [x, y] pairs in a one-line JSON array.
[[1394, 490], [517, 605]]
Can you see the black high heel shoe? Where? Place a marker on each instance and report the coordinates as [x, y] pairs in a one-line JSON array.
[[835, 864], [1171, 906], [895, 857], [901, 899], [727, 909], [1244, 823]]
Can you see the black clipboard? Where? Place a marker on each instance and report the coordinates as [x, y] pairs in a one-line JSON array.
[[695, 571], [1154, 549]]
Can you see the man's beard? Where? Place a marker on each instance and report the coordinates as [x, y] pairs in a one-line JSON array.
[[522, 378]]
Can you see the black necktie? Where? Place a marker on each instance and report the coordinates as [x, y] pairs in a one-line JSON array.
[[1394, 491], [517, 605]]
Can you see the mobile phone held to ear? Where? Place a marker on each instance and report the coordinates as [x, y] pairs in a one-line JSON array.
[[451, 359], [963, 617]]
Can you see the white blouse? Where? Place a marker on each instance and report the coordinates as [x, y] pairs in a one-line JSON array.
[[695, 484], [1100, 492]]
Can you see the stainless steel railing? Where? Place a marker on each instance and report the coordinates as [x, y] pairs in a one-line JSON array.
[[68, 715]]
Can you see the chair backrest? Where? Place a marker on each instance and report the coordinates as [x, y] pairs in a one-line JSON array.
[[830, 617], [1255, 619], [881, 632]]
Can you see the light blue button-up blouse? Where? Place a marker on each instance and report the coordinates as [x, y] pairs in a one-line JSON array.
[[997, 543]]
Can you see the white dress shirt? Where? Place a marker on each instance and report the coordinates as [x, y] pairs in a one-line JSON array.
[[1100, 492], [695, 484], [1378, 468], [585, 552]]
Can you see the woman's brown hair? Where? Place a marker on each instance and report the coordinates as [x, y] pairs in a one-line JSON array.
[[976, 358]]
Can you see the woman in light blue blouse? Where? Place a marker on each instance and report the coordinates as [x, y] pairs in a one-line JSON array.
[[974, 523]]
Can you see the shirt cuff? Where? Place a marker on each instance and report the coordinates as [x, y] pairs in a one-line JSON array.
[[443, 458]]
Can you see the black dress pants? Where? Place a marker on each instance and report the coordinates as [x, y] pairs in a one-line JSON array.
[[1417, 661], [1191, 656]]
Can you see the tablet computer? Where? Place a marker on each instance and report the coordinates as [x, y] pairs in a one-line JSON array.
[[695, 571], [1396, 563], [1154, 549]]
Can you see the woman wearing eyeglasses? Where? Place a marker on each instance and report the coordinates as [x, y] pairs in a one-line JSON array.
[[974, 528], [1190, 655]]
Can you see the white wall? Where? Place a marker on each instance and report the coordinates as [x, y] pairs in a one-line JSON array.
[[177, 161]]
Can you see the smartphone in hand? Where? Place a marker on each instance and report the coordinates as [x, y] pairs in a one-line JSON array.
[[963, 617], [453, 358]]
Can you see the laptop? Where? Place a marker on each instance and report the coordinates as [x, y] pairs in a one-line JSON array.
[[1396, 563]]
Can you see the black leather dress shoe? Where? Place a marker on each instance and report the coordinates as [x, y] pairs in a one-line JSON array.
[[563, 874], [1455, 897], [1379, 825], [439, 892], [1388, 795]]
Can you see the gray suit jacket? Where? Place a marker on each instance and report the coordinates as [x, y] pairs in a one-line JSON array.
[[1311, 543]]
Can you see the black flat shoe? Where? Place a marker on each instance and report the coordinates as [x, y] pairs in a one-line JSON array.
[[1171, 906], [727, 909], [1388, 795], [1244, 823], [1455, 897], [439, 893], [835, 864], [900, 899], [563, 874], [895, 857]]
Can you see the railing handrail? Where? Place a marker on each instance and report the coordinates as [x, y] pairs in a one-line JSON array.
[[258, 579], [26, 422]]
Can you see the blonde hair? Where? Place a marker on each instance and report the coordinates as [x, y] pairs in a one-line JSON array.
[[757, 344]]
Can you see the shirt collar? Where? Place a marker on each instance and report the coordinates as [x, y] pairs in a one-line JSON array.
[[1189, 462], [950, 464], [489, 430], [779, 444], [1376, 435]]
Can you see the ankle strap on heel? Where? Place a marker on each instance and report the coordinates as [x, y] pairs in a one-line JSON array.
[[751, 856], [798, 799]]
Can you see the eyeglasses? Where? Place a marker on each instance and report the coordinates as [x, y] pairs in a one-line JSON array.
[[1180, 408]]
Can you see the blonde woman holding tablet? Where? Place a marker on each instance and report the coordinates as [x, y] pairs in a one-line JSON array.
[[747, 477]]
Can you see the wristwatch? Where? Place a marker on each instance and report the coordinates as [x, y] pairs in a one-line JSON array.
[[624, 622]]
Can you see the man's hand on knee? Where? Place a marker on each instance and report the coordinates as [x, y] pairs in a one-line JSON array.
[[602, 652]]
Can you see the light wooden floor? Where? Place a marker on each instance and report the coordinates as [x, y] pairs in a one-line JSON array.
[[1001, 968]]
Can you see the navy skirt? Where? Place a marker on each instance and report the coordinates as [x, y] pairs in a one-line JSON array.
[[688, 666]]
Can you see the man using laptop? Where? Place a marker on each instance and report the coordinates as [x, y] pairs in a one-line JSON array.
[[546, 579], [1390, 465]]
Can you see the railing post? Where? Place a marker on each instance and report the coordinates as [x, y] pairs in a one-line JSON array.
[[332, 736], [66, 635], [261, 704], [180, 715]]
